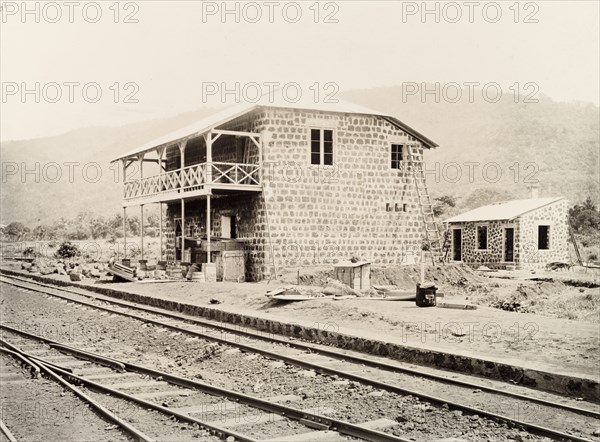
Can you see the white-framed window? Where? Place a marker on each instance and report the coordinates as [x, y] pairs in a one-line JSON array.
[[482, 236], [543, 236], [321, 147], [398, 155]]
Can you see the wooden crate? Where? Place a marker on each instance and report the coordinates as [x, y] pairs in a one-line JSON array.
[[231, 266], [356, 275]]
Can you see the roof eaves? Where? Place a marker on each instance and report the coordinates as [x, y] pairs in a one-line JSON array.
[[406, 128]]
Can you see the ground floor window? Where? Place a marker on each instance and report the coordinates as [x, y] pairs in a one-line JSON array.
[[543, 237]]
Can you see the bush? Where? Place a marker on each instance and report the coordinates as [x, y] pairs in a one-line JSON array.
[[29, 251], [68, 250]]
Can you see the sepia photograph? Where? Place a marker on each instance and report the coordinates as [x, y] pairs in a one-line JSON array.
[[298, 221]]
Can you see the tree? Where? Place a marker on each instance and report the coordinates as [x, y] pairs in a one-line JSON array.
[[585, 217], [99, 227], [133, 223], [442, 204], [115, 225], [39, 232], [16, 230]]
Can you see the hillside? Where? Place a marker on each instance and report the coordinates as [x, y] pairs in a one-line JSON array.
[[561, 139]]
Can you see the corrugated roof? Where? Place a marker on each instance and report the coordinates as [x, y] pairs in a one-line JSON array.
[[502, 211], [219, 118]]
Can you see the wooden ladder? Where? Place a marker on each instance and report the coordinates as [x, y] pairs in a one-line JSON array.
[[432, 233], [574, 241]]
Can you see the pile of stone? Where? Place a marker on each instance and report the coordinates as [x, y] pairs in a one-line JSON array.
[[74, 269]]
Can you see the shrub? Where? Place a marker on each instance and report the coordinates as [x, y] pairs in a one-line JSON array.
[[29, 251], [68, 250]]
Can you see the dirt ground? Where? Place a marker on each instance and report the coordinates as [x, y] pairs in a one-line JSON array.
[[546, 325]]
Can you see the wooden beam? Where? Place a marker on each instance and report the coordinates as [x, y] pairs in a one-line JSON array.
[[235, 133]]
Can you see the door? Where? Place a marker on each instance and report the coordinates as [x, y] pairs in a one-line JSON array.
[[509, 244], [177, 241], [226, 226], [457, 244]]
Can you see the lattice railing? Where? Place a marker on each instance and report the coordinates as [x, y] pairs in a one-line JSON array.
[[193, 178]]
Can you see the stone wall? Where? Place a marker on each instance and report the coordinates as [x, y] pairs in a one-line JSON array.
[[317, 215], [526, 253], [493, 256], [554, 215]]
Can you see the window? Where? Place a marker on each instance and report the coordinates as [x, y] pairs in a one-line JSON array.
[[543, 237], [482, 237], [321, 147], [397, 156]]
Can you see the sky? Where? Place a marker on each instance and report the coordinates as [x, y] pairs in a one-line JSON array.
[[67, 65]]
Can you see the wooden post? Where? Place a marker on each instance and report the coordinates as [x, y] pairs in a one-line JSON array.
[[208, 228], [161, 152], [182, 147], [182, 228], [142, 230], [160, 230], [141, 160], [124, 232], [209, 139], [124, 175], [422, 267]]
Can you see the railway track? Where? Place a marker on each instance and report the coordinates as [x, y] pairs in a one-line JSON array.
[[117, 377], [380, 374]]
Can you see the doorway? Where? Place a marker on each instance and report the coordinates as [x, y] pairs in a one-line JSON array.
[[509, 244], [457, 244], [228, 228], [177, 241]]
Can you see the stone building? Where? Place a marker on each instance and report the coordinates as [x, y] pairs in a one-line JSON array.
[[520, 233], [290, 185]]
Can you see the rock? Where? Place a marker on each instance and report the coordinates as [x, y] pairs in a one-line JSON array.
[[95, 273], [74, 276], [25, 265], [375, 394], [596, 432]]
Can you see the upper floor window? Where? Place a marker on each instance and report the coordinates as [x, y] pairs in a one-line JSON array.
[[397, 156], [321, 147]]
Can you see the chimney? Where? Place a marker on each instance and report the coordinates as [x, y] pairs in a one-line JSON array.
[[535, 190]]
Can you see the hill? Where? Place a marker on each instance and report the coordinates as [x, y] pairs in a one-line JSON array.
[[554, 143]]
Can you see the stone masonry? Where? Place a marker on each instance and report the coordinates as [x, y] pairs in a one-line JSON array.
[[313, 214], [526, 252]]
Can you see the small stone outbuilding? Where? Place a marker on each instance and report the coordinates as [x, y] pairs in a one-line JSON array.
[[526, 233]]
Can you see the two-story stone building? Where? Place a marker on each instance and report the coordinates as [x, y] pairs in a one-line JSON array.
[[291, 185]]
